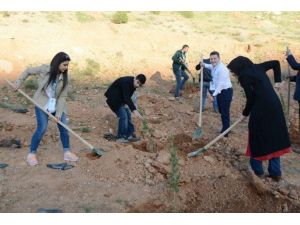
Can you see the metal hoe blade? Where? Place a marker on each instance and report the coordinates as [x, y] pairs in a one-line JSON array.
[[197, 134], [197, 152], [98, 151]]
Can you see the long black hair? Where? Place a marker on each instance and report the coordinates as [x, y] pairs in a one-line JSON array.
[[54, 69]]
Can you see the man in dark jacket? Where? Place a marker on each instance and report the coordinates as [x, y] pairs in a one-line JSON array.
[[179, 66], [295, 66], [207, 78], [119, 100]]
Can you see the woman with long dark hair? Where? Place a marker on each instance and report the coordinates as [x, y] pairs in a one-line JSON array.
[[51, 94], [268, 137]]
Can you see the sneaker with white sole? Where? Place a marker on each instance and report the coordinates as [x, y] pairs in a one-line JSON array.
[[69, 156], [133, 138], [31, 159], [122, 140]]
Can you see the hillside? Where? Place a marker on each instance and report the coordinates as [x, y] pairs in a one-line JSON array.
[[136, 177]]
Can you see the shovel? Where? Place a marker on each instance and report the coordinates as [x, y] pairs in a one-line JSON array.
[[289, 90], [203, 149], [95, 151], [198, 132]]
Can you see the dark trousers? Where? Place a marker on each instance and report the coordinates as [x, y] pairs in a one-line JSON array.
[[126, 127], [273, 168], [224, 100], [179, 81]]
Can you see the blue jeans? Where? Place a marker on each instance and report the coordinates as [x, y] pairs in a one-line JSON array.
[[273, 168], [179, 82], [224, 101], [126, 127], [204, 95], [42, 124]]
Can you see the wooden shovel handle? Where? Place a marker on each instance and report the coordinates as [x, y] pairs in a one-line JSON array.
[[201, 97], [52, 117], [224, 133]]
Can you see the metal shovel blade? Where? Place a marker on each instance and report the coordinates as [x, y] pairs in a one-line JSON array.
[[3, 165], [98, 151], [196, 153], [197, 134]]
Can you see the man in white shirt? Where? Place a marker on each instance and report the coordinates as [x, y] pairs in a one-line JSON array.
[[222, 87]]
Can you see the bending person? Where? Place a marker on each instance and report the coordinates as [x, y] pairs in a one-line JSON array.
[[51, 94], [268, 137]]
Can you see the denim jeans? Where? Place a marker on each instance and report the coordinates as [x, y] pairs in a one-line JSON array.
[[42, 124], [179, 82], [204, 95], [273, 168], [224, 101], [126, 127]]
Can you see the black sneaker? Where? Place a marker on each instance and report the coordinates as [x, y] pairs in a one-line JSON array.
[[109, 137], [275, 178], [133, 139], [122, 140]]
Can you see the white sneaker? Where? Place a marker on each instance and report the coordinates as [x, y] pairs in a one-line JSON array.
[[31, 159], [69, 156]]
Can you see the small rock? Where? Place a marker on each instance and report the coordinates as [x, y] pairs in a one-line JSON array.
[[151, 169], [181, 162], [149, 182], [189, 113], [163, 157], [147, 112], [235, 164], [166, 104], [209, 159], [157, 134], [283, 190], [293, 194], [107, 195], [171, 98], [163, 169], [147, 162], [185, 180], [160, 177]]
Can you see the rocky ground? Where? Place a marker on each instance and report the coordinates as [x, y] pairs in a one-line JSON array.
[[135, 177]]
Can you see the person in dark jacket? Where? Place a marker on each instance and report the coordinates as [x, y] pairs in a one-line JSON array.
[[119, 100], [179, 66], [275, 66], [268, 137], [295, 66], [207, 78]]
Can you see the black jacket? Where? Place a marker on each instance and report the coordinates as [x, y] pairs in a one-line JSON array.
[[275, 66], [206, 72], [295, 66], [119, 93], [267, 128], [177, 64]]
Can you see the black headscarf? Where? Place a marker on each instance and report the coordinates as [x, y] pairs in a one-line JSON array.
[[238, 64]]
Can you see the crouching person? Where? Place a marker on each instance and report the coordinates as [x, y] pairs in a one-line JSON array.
[[119, 100]]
